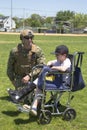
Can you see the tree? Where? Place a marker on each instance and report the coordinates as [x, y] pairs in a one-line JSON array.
[[28, 22], [1, 15], [49, 20], [64, 15], [80, 20], [18, 21], [64, 18], [35, 20]]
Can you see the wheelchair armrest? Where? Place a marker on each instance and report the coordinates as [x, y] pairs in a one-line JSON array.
[[54, 72], [81, 52], [38, 66]]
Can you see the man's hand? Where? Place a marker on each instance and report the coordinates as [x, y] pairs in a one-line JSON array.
[[26, 79]]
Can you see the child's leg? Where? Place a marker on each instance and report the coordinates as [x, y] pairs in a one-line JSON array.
[[35, 102]]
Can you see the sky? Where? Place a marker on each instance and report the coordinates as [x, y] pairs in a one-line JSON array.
[[24, 8]]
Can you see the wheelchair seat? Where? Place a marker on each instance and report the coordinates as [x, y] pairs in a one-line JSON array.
[[53, 80]]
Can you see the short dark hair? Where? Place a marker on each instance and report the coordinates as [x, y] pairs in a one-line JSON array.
[[62, 49]]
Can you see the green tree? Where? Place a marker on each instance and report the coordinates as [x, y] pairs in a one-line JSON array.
[[1, 15], [64, 15], [19, 22], [36, 20], [80, 20], [63, 18], [28, 22], [49, 20]]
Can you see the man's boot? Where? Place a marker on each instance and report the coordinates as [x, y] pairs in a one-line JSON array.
[[17, 95]]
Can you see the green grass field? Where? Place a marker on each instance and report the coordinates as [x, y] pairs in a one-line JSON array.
[[10, 118]]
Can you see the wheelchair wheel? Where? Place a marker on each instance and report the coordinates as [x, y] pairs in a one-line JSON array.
[[69, 114], [45, 117]]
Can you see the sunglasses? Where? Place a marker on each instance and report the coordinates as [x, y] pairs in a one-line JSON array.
[[27, 37], [57, 55]]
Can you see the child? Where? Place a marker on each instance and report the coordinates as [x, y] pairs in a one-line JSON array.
[[61, 63]]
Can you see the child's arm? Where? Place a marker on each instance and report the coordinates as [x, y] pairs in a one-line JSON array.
[[63, 67], [59, 68], [50, 63]]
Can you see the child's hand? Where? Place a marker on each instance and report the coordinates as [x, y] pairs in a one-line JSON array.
[[54, 68], [49, 64]]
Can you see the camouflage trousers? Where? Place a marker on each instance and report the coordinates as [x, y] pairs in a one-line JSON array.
[[21, 87]]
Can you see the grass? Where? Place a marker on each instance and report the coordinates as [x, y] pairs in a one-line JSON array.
[[10, 118]]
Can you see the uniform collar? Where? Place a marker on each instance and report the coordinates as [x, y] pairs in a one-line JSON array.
[[33, 48]]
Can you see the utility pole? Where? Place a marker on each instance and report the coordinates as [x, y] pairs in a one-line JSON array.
[[23, 18], [11, 14]]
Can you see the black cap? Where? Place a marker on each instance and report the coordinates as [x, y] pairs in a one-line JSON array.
[[62, 49]]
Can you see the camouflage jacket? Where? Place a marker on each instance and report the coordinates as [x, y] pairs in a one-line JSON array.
[[21, 62]]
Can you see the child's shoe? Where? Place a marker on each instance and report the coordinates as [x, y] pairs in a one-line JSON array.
[[27, 107]]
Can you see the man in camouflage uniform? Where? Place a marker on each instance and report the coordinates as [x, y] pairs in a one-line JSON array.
[[22, 59]]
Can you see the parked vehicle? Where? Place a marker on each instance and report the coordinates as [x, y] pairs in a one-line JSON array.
[[85, 30]]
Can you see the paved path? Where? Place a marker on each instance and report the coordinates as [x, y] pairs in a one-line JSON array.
[[48, 34]]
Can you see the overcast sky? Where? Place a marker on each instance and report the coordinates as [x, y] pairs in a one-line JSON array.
[[24, 8]]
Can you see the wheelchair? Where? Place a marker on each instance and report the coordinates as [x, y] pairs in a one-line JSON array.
[[49, 101], [52, 106]]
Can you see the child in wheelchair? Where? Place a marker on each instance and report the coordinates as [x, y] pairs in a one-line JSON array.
[[59, 81]]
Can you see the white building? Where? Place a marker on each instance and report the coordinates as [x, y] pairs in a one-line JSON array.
[[7, 24]]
